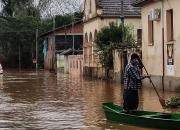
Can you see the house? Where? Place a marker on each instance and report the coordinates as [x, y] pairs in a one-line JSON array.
[[69, 41], [161, 38], [97, 14], [69, 61]]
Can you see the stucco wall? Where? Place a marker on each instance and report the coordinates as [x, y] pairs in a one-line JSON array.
[[96, 24], [153, 55], [175, 5], [89, 5], [75, 64], [135, 23]]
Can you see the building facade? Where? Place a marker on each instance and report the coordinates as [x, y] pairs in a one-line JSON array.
[[161, 38], [75, 64], [68, 39], [98, 14]]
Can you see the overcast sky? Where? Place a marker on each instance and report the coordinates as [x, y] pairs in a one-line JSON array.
[[63, 6], [59, 7], [0, 6]]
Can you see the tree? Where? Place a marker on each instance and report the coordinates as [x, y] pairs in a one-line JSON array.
[[10, 6], [113, 37], [50, 8], [19, 20], [19, 36]]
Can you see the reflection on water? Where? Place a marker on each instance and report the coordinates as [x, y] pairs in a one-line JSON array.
[[46, 101]]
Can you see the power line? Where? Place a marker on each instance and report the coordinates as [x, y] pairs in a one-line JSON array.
[[17, 32]]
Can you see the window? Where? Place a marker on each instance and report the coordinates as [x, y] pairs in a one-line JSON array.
[[169, 25], [90, 54], [150, 31], [64, 42], [85, 51], [90, 6], [80, 64], [86, 38], [90, 37], [77, 64], [95, 35], [139, 37], [70, 64], [85, 54], [73, 64]]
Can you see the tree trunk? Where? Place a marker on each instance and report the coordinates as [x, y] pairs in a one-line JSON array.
[[106, 73]]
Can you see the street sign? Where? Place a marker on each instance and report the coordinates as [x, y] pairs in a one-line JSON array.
[[34, 61]]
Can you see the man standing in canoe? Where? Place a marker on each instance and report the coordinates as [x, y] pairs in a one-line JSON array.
[[132, 82]]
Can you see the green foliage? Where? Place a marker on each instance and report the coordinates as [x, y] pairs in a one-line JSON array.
[[113, 37], [128, 37], [19, 20], [78, 15], [68, 18], [63, 20], [18, 36], [174, 102], [10, 6]]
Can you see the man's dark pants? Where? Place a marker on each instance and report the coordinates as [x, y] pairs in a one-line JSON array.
[[131, 100]]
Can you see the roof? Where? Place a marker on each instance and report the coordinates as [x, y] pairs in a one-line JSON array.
[[113, 8], [62, 27], [139, 3], [66, 52], [69, 52]]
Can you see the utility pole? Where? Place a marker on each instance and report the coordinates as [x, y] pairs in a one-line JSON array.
[[163, 55], [37, 33], [19, 57], [19, 53], [73, 32], [36, 49], [54, 42], [122, 19], [122, 37]]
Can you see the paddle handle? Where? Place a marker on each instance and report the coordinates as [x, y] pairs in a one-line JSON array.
[[140, 62], [151, 81], [161, 100]]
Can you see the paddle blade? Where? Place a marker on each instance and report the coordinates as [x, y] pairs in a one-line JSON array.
[[162, 101]]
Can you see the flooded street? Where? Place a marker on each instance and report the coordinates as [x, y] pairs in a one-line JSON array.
[[44, 101]]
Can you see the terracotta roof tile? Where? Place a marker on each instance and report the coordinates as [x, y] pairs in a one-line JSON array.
[[141, 2], [113, 8]]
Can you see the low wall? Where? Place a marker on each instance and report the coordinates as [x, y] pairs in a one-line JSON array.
[[75, 64], [170, 83]]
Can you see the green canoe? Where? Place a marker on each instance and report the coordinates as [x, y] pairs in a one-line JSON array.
[[147, 119]]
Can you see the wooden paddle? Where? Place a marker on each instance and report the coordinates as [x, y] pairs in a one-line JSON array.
[[161, 100]]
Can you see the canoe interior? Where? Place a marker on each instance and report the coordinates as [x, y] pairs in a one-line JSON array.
[[145, 114]]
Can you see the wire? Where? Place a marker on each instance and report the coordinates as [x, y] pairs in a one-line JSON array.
[[17, 32]]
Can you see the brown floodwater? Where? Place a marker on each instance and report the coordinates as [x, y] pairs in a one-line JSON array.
[[44, 101]]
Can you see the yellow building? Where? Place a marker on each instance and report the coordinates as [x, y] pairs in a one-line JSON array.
[[161, 38], [97, 14]]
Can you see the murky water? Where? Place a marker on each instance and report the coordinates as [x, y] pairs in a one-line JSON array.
[[44, 101]]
